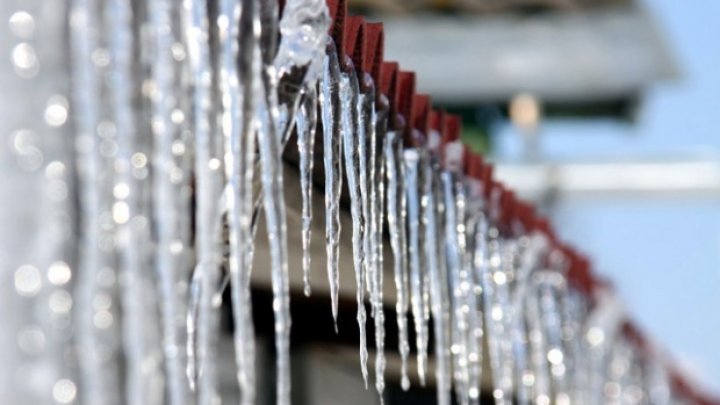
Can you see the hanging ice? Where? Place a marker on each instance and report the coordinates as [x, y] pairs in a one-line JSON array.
[[476, 235], [392, 151], [411, 159], [353, 136], [168, 101], [241, 92], [275, 218], [306, 124], [332, 151], [459, 311], [303, 30], [298, 64], [438, 287], [526, 327], [141, 334], [96, 269], [496, 303], [375, 123]]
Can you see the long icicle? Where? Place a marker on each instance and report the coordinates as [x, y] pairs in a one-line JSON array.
[[240, 94], [202, 319], [476, 232], [306, 124], [171, 179], [353, 137], [141, 334], [95, 263], [469, 307], [438, 286], [275, 216], [297, 64], [454, 266], [496, 303], [332, 152], [395, 191], [412, 188], [375, 120]]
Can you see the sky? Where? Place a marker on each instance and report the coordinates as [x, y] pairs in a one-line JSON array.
[[663, 254]]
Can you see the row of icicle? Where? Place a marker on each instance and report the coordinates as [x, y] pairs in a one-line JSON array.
[[181, 112]]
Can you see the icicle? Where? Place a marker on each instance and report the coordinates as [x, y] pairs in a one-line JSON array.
[[469, 305], [496, 297], [202, 322], [365, 118], [458, 305], [550, 288], [601, 328], [274, 206], [411, 159], [276, 220], [574, 311], [240, 91], [527, 334], [96, 282], [303, 29], [332, 149], [375, 121], [438, 287], [141, 335], [353, 138], [474, 214], [516, 328], [171, 177], [306, 124], [395, 207], [422, 258]]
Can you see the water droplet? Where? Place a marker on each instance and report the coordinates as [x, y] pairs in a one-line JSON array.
[[214, 164], [500, 278], [60, 302], [121, 191], [555, 356], [178, 51], [56, 112], [138, 160], [595, 336], [177, 116], [27, 280], [121, 212], [178, 148], [23, 140], [54, 170], [59, 273], [64, 391], [22, 24], [176, 247], [25, 60]]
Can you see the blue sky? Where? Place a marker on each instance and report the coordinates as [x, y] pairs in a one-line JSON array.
[[662, 254]]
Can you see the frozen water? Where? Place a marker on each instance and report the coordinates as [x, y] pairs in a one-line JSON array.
[[332, 151], [392, 150], [306, 124], [353, 136]]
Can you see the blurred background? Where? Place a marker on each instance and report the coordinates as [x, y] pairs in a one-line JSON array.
[[604, 114]]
